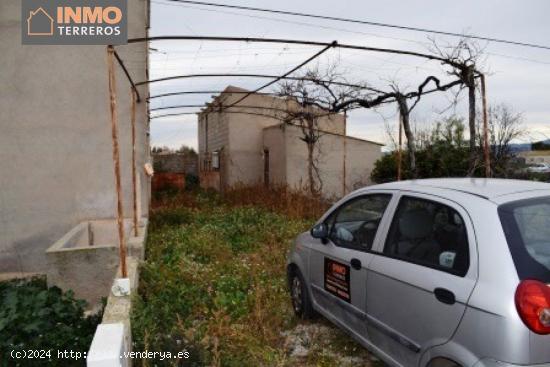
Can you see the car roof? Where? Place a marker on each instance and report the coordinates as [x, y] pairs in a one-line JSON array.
[[482, 187]]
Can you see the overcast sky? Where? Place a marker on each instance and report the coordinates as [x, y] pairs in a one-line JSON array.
[[520, 76]]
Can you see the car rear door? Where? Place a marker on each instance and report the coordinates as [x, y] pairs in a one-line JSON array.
[[421, 277], [338, 266]]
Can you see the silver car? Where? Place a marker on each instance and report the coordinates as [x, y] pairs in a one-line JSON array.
[[442, 272], [538, 168]]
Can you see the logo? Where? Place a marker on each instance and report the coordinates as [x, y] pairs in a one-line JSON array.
[[74, 22], [39, 23]]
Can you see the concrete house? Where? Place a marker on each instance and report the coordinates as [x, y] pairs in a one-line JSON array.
[[249, 143], [536, 156], [56, 158]]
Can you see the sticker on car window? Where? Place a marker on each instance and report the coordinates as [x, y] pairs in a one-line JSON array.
[[337, 279], [447, 259]]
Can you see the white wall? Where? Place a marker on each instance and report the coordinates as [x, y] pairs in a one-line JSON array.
[[329, 154], [242, 132], [55, 143]]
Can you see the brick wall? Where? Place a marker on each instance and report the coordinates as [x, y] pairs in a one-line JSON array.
[[175, 163]]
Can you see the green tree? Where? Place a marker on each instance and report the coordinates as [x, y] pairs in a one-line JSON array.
[[443, 152]]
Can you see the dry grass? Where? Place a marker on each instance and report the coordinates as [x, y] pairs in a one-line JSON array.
[[279, 199], [214, 282], [293, 203]]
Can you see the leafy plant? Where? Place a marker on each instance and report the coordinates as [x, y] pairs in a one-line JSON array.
[[35, 317]]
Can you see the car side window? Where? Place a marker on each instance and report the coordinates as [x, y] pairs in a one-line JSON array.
[[356, 222], [429, 233]]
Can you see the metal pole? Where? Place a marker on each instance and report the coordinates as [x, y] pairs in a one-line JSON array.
[[121, 63], [345, 152], [400, 149], [134, 173], [486, 155], [116, 160]]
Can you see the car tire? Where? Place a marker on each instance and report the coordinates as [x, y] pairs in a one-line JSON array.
[[299, 295]]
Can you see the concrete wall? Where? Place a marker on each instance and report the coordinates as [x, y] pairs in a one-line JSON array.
[[359, 156], [360, 159], [244, 158], [213, 132], [536, 157], [55, 147], [86, 258], [176, 163], [240, 132]]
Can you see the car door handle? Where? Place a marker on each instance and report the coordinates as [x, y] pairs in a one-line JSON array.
[[445, 296], [356, 264]]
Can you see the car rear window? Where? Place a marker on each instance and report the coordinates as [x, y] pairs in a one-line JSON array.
[[526, 224]]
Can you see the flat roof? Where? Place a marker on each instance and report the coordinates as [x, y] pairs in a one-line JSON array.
[[329, 133]]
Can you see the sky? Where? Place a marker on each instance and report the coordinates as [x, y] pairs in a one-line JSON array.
[[517, 76]]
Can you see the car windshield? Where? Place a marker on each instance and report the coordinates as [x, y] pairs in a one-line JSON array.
[[526, 224]]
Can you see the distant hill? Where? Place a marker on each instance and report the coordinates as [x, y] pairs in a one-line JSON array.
[[528, 146], [520, 147]]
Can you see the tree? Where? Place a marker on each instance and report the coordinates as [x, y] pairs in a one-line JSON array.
[[310, 99], [464, 59], [164, 148], [540, 145], [187, 150], [505, 125], [404, 118], [442, 151]]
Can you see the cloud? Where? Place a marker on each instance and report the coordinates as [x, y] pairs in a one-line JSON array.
[[521, 83]]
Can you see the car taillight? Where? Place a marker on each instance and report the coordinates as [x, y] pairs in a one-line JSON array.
[[533, 305]]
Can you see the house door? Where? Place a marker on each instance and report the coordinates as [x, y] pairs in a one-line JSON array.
[[266, 167]]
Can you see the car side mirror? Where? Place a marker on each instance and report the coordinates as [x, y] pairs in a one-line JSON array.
[[320, 231]]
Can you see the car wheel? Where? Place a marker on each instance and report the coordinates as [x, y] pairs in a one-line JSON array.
[[301, 302]]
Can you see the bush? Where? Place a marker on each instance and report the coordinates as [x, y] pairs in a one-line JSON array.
[[191, 182], [35, 317], [431, 162]]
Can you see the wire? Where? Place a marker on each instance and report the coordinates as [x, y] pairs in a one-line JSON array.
[[295, 42], [253, 76], [206, 92], [275, 80], [220, 107], [364, 22], [291, 22], [424, 44]]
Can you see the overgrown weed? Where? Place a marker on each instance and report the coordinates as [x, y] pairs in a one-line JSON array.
[[214, 279]]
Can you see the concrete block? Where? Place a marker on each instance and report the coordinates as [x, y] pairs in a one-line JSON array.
[[108, 347], [86, 258]]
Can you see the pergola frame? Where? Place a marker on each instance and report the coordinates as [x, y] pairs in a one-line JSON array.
[[136, 98]]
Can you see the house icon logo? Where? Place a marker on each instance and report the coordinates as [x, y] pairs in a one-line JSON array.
[[39, 23], [73, 22]]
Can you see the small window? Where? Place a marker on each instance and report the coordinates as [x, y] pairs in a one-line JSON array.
[[429, 233], [215, 160], [356, 222]]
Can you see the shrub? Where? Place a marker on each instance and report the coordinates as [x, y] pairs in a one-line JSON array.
[[35, 317], [191, 182]]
